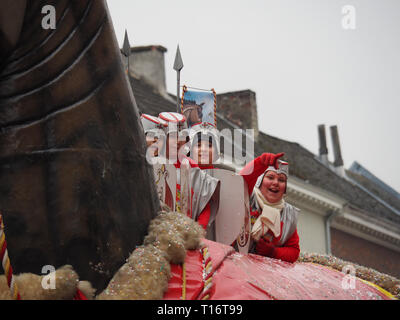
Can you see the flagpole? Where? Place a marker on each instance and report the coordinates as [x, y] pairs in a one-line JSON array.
[[178, 87]]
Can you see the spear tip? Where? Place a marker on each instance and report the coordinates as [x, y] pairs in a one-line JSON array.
[[126, 48], [178, 63]]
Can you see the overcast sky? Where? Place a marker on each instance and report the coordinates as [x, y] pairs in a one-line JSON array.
[[304, 66]]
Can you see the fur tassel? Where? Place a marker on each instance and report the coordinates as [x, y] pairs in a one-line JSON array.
[[146, 273], [31, 288]]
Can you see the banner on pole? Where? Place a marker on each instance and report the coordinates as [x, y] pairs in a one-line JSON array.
[[199, 107]]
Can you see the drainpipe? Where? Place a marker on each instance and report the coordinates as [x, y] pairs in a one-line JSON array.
[[328, 220]]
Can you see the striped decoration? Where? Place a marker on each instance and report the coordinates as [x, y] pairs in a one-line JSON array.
[[184, 89], [207, 274], [215, 107], [8, 271], [184, 281]]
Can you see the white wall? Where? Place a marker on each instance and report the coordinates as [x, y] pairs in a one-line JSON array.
[[311, 230]]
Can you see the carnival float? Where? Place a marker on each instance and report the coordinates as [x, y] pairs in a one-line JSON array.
[[78, 193]]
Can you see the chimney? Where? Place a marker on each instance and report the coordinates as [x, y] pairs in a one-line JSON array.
[[323, 150], [240, 108], [147, 63], [338, 163]]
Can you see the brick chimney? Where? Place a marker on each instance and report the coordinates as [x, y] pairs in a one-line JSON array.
[[240, 108], [148, 63]]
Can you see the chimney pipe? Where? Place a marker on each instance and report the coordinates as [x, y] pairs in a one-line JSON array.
[[338, 163], [323, 150]]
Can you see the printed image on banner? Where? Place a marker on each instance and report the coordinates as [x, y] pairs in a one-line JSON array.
[[198, 106]]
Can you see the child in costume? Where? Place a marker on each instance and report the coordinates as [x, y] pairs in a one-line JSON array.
[[204, 151], [274, 221], [203, 186]]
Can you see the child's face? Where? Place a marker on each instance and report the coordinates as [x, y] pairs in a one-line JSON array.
[[273, 186], [203, 152], [154, 144]]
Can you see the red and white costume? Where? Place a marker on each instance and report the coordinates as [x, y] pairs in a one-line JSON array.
[[203, 186], [284, 246]]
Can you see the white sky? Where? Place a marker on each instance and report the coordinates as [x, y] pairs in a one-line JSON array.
[[305, 68]]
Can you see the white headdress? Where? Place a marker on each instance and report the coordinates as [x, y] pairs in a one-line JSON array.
[[152, 124], [203, 131], [176, 122]]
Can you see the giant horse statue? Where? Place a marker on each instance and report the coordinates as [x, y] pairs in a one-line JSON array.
[[75, 187]]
